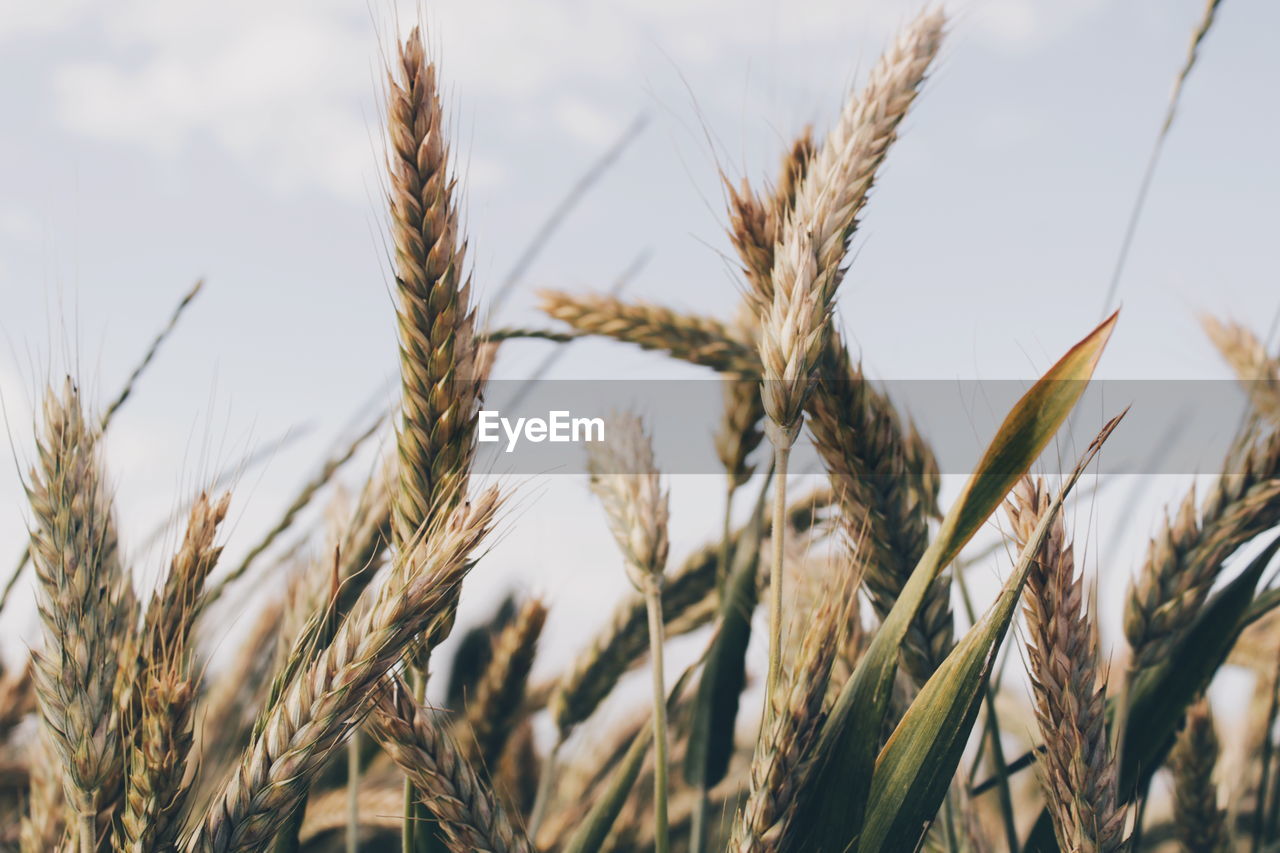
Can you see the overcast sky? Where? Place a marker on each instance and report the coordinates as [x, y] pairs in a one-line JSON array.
[[148, 143]]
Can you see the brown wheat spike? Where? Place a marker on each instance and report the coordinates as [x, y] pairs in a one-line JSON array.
[[1077, 769], [886, 484], [689, 337], [777, 767], [1186, 556], [466, 810], [808, 257], [755, 223], [435, 320], [624, 639], [1200, 824], [499, 697], [625, 478], [740, 430], [159, 723], [1247, 355], [739, 433], [518, 771], [86, 603], [325, 700]]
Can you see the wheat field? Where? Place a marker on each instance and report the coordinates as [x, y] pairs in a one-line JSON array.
[[884, 719]]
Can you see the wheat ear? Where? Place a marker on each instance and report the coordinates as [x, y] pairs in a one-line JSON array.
[[1077, 769], [325, 700], [886, 482], [434, 316], [780, 758], [1253, 366], [624, 476], [159, 724], [689, 337], [1186, 556], [87, 605], [492, 712], [808, 259], [755, 222], [1200, 824], [466, 810], [596, 670]]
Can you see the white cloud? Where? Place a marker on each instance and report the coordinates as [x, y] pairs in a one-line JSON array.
[[16, 223], [586, 122], [38, 16], [289, 87], [282, 92]]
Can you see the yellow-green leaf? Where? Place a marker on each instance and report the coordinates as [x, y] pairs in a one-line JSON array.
[[915, 767], [835, 794]]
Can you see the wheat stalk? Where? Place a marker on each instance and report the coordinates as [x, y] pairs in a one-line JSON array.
[[1077, 769], [606, 657]]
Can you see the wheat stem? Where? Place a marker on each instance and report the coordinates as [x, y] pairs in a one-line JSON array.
[[353, 793], [781, 458], [653, 599]]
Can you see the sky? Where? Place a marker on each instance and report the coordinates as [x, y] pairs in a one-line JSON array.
[[146, 144]]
